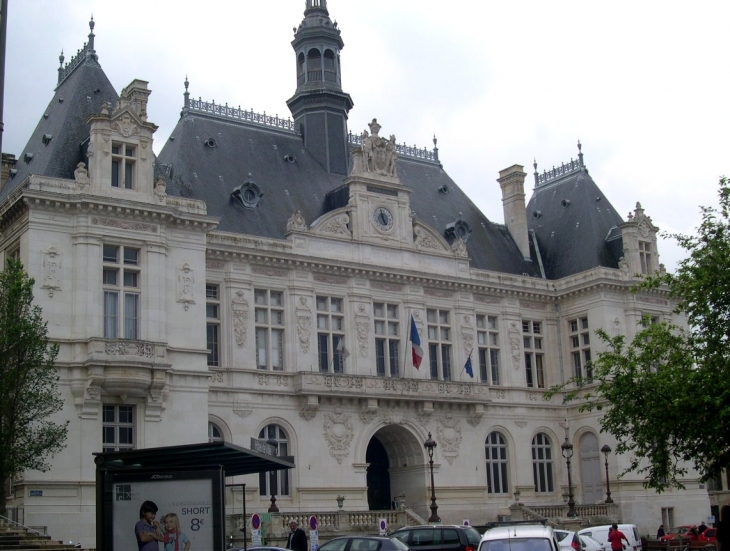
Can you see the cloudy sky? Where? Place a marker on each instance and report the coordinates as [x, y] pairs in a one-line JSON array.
[[643, 85]]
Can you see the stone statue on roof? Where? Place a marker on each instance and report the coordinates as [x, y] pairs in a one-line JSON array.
[[377, 154]]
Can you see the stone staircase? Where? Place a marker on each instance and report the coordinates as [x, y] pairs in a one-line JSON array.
[[14, 537]]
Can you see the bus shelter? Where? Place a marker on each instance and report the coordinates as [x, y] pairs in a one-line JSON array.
[[184, 484]]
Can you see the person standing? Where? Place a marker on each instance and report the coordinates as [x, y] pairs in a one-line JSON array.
[[297, 537], [660, 532], [615, 536]]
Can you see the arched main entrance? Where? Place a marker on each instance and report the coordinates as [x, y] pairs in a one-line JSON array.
[[396, 466], [379, 497]]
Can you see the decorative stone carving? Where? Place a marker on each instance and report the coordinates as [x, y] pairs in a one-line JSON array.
[[265, 379], [386, 286], [521, 424], [51, 271], [242, 409], [362, 325], [216, 377], [514, 344], [367, 415], [310, 406], [214, 265], [81, 175], [487, 300], [160, 190], [304, 324], [449, 434], [269, 271], [377, 155], [337, 225], [345, 381], [476, 412], [330, 280], [458, 247], [239, 306], [124, 225], [296, 222], [125, 126], [186, 285], [338, 432], [467, 333], [129, 348], [422, 240]]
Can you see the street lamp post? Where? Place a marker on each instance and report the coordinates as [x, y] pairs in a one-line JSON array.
[[567, 450], [430, 445], [606, 449], [275, 445]]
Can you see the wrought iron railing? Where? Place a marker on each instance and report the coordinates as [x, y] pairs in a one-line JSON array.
[[401, 149], [236, 113], [557, 172]]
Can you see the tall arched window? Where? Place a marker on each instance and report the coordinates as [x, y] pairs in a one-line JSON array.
[[542, 463], [214, 433], [496, 452], [275, 482]]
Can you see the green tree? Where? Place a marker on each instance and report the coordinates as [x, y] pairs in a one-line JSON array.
[[28, 382], [665, 395]]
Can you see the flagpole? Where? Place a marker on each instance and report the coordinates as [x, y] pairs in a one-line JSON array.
[[405, 348]]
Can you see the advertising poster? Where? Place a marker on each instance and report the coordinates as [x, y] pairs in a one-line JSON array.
[[188, 513]]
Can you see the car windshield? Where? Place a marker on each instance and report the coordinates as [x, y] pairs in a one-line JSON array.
[[472, 536], [682, 529], [516, 544]]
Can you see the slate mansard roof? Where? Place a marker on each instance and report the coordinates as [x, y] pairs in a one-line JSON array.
[[212, 151], [575, 225], [208, 156], [58, 143]]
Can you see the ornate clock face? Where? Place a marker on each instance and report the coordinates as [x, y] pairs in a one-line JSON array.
[[383, 219]]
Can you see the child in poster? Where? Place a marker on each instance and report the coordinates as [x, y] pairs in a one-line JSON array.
[[147, 529], [174, 538]]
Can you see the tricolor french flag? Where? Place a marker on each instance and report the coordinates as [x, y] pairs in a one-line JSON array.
[[416, 349]]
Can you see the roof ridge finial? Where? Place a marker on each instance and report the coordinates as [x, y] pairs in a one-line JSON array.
[[534, 165], [91, 33], [580, 153], [186, 95]]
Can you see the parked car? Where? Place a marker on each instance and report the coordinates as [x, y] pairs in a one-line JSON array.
[[259, 548], [520, 536], [709, 535], [600, 534], [587, 543], [363, 543], [572, 541], [568, 540], [438, 538], [681, 531]]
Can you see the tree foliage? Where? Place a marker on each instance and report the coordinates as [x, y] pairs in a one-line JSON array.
[[665, 395], [28, 382]]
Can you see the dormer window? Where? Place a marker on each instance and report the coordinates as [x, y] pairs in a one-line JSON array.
[[645, 257], [123, 161]]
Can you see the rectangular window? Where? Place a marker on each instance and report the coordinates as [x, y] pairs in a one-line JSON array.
[[387, 339], [488, 344], [534, 357], [213, 323], [645, 257], [122, 295], [269, 317], [118, 428], [331, 335], [439, 343], [579, 339], [123, 164]]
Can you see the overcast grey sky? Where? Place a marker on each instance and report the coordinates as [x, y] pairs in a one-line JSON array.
[[643, 85]]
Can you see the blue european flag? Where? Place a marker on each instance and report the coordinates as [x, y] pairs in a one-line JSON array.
[[468, 368]]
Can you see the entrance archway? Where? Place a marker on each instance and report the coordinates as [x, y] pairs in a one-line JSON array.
[[397, 467]]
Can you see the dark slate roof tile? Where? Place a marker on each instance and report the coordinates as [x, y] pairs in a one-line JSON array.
[[78, 97], [572, 219]]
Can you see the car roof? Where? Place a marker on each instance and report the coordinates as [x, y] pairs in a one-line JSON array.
[[518, 531]]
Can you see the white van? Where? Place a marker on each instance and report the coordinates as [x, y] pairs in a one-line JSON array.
[[600, 534]]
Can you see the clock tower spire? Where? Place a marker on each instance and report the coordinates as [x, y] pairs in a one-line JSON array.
[[319, 106]]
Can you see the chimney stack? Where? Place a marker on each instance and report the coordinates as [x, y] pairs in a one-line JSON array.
[[512, 182]]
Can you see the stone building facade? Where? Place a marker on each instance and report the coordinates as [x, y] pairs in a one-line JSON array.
[[261, 279]]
